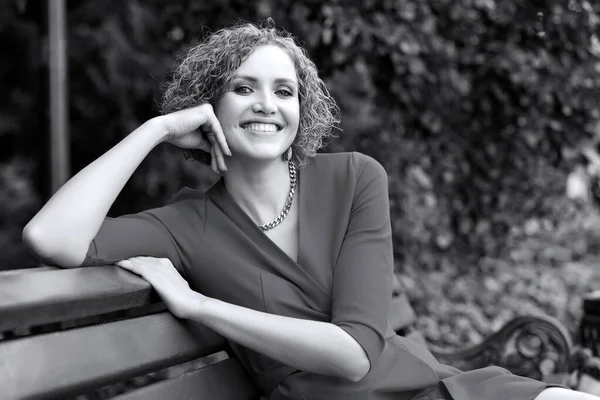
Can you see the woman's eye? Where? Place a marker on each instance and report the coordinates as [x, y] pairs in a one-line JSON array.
[[285, 92], [242, 89]]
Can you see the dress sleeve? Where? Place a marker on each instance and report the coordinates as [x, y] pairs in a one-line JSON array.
[[362, 278], [172, 231]]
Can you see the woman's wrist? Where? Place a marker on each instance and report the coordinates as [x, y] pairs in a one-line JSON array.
[[196, 306], [157, 128]]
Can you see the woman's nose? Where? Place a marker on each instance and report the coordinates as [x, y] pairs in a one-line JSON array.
[[265, 104]]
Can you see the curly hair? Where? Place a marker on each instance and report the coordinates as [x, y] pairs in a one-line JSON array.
[[204, 75]]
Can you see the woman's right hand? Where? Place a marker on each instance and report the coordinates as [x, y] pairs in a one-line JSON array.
[[197, 128]]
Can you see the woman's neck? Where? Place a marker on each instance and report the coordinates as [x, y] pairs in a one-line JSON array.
[[260, 189]]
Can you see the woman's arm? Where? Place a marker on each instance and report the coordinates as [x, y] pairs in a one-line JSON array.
[[61, 232], [311, 346], [363, 274]]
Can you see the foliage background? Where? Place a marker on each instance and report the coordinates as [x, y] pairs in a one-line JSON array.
[[485, 113]]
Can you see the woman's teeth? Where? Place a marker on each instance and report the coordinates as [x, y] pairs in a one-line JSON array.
[[261, 127]]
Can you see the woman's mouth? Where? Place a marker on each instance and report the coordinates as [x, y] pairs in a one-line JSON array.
[[261, 127]]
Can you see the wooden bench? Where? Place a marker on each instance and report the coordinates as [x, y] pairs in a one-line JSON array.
[[71, 332]]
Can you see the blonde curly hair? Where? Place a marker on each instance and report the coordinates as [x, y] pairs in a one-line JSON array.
[[204, 75]]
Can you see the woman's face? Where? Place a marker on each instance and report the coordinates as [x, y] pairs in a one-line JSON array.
[[260, 111]]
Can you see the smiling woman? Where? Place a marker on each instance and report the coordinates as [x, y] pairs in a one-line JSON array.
[[289, 255]]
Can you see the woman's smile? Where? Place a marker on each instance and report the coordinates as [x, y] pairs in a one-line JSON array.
[[258, 127]]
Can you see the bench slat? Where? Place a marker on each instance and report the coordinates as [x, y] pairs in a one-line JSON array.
[[402, 314], [9, 272], [65, 363], [225, 380], [44, 296]]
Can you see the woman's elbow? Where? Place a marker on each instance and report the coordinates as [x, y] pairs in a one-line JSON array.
[[360, 369], [43, 250], [33, 243], [355, 361], [355, 367]]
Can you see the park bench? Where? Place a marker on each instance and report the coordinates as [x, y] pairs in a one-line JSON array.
[[98, 332]]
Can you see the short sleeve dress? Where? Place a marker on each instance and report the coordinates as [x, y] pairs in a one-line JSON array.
[[343, 275]]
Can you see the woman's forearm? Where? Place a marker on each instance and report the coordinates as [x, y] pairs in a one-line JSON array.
[[312, 346], [63, 229]]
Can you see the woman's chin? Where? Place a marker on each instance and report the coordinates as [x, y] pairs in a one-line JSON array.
[[261, 151], [261, 154]]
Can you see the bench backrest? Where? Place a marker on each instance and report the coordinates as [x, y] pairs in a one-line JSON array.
[[64, 332]]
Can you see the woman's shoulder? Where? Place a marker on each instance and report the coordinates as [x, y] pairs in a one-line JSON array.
[[186, 206], [187, 194], [348, 162]]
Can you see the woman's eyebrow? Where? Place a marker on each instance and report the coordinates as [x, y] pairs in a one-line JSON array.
[[254, 79]]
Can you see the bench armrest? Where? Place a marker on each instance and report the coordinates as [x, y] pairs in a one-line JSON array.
[[538, 347]]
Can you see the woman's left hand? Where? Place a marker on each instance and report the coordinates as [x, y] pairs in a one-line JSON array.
[[174, 291]]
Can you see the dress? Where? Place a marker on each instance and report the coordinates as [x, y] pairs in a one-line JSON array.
[[343, 275]]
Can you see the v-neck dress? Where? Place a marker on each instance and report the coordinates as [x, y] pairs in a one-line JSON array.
[[343, 275]]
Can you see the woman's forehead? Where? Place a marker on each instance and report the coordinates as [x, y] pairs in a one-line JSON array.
[[268, 62]]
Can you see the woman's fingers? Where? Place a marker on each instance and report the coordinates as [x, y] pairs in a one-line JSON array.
[[145, 267], [129, 265], [221, 160], [214, 126], [217, 153], [213, 160], [218, 143]]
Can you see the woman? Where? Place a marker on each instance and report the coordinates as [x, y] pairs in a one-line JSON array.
[[289, 255]]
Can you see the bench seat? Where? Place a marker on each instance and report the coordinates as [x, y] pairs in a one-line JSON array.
[[71, 332]]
